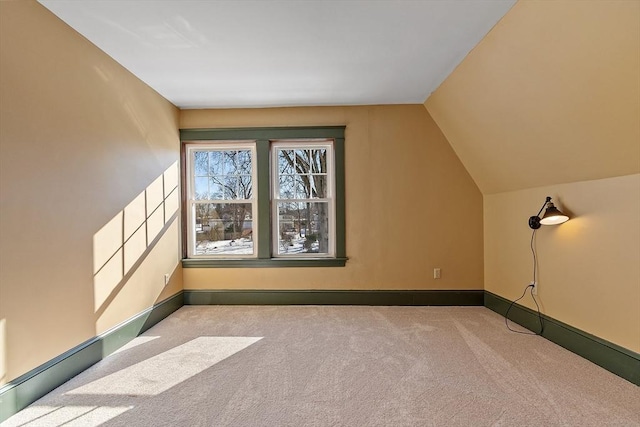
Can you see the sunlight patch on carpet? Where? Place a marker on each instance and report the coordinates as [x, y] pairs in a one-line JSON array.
[[143, 339], [159, 373], [69, 416]]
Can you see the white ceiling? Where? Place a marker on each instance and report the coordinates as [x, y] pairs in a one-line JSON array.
[[267, 53]]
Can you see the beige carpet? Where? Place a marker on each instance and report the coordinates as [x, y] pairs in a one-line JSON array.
[[338, 366]]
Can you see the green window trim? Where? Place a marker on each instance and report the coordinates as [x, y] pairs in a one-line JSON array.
[[263, 138], [263, 262]]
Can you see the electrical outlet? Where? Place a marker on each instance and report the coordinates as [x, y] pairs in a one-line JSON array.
[[534, 290], [167, 277], [436, 273]]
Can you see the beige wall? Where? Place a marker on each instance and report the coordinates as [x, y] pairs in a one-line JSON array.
[[589, 267], [549, 104], [80, 138], [551, 95], [411, 206]]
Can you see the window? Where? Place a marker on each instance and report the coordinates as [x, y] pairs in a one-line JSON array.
[[221, 200], [303, 208], [262, 197]]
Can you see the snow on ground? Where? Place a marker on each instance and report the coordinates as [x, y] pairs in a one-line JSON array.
[[238, 247], [245, 247], [296, 246]]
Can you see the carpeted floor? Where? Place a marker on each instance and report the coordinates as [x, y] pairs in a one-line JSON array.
[[338, 366]]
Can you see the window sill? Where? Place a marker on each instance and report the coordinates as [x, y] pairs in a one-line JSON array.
[[263, 263]]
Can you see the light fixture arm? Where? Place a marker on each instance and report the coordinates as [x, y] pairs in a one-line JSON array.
[[534, 221], [543, 206]]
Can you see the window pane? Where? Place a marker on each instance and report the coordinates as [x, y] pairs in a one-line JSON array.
[[237, 162], [230, 163], [202, 187], [302, 186], [228, 175], [303, 190], [302, 174], [230, 184], [318, 186], [286, 162], [215, 162], [302, 161], [295, 187], [287, 186], [215, 188], [303, 228], [201, 163], [244, 162], [245, 188], [319, 161], [223, 229]]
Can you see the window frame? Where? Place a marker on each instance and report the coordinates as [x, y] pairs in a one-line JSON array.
[[264, 139], [329, 198], [192, 201]]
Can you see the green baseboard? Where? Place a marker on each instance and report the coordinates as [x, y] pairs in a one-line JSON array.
[[26, 389], [618, 360], [324, 297]]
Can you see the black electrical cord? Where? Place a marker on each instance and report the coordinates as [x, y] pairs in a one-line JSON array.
[[535, 257], [530, 286]]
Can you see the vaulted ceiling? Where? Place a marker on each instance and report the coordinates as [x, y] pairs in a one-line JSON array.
[[265, 53]]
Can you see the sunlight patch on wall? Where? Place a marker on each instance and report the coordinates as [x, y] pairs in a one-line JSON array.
[[120, 243], [159, 373], [107, 279], [134, 248], [155, 194], [155, 222], [171, 178], [171, 204], [68, 416], [106, 242], [134, 215]]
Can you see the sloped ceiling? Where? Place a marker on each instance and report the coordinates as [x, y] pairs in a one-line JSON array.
[[269, 53], [551, 95]]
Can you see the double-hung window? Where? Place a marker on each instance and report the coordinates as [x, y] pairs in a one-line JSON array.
[[222, 202], [262, 197], [302, 202]]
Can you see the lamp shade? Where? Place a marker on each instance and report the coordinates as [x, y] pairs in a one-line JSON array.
[[553, 216]]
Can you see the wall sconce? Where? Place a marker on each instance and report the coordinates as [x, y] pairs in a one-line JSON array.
[[552, 216]]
